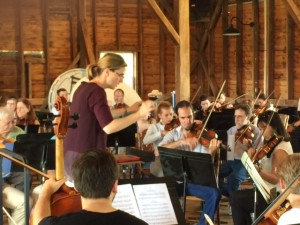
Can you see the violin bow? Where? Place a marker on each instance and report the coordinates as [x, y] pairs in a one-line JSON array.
[[215, 102], [237, 98], [269, 121], [256, 98]]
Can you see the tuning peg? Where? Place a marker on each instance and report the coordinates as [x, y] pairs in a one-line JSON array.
[[74, 116], [73, 126]]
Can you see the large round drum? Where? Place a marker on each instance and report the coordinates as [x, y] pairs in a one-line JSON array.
[[67, 80], [130, 95]]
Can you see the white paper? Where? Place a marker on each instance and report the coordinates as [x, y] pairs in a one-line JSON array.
[[298, 108], [155, 204], [231, 144], [125, 200]]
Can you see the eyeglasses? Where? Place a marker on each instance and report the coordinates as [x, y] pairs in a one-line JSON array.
[[121, 75]]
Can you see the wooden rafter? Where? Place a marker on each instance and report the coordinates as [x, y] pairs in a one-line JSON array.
[[164, 20], [293, 11]]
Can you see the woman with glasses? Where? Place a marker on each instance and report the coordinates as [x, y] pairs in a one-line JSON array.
[[96, 120], [277, 141]]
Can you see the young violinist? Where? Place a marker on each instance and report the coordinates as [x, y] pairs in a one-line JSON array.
[[221, 103], [95, 117], [287, 171], [277, 141], [204, 106], [12, 192], [180, 138], [156, 132], [245, 135], [95, 176]]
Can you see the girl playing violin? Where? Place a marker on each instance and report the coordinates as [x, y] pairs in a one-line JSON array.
[[156, 132], [242, 202]]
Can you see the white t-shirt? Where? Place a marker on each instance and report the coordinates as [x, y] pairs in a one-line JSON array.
[[290, 217]]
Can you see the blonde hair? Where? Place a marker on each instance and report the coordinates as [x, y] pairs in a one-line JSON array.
[[289, 169], [111, 61]]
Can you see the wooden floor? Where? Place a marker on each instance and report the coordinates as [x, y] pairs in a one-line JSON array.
[[193, 208]]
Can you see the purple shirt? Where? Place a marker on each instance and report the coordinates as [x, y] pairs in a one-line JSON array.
[[90, 102]]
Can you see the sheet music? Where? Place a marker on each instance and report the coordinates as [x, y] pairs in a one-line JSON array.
[[231, 144], [267, 193], [125, 200], [155, 204]]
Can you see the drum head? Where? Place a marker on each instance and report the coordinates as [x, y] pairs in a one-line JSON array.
[[66, 80]]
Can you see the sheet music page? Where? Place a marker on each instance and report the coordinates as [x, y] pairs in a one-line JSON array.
[[261, 185], [231, 144], [155, 204], [125, 200]]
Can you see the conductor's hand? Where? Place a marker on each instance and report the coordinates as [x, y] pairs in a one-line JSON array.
[[135, 107], [146, 108], [214, 144]]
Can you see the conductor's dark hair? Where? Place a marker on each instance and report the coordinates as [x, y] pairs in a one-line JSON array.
[[95, 173]]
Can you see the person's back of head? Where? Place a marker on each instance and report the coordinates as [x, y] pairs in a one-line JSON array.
[[289, 169], [94, 174]]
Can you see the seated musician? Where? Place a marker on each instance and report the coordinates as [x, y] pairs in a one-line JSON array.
[[61, 92], [156, 132], [233, 171], [287, 171], [25, 113], [95, 176], [119, 99], [277, 142], [205, 105], [264, 104], [222, 104], [12, 192], [179, 138]]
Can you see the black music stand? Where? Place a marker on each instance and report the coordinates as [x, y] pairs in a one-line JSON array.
[[185, 166], [26, 183], [171, 185]]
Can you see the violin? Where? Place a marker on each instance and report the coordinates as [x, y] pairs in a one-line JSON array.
[[173, 124], [244, 133], [274, 217], [267, 148], [259, 111], [206, 136]]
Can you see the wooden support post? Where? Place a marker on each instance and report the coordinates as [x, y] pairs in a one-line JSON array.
[[118, 30], [269, 47], [140, 76], [239, 49], [255, 74], [290, 56], [45, 27], [225, 42], [293, 10]]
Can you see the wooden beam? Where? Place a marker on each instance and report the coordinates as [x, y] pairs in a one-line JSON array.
[[239, 49], [117, 5], [162, 60], [269, 46], [293, 11], [95, 25], [45, 28], [140, 79], [255, 57], [165, 22], [74, 62], [87, 41], [225, 42], [290, 56], [183, 83]]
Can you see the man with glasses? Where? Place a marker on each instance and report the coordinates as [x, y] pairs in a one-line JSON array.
[[233, 170], [13, 198]]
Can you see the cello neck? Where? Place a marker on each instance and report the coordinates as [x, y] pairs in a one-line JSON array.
[[59, 159]]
